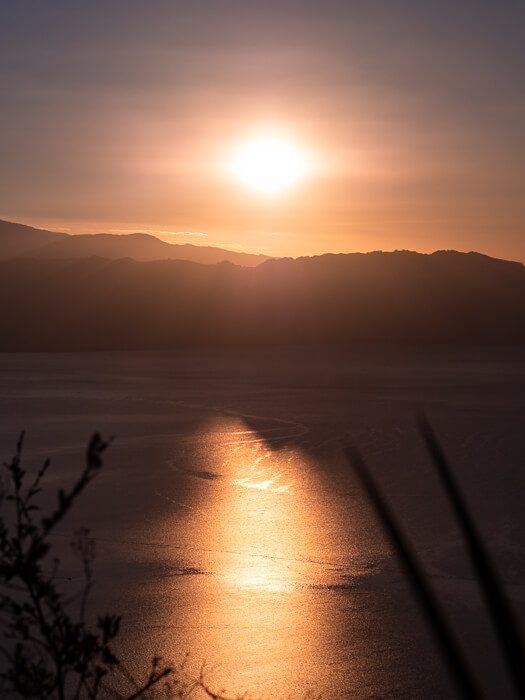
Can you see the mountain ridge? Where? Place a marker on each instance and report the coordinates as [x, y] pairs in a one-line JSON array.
[[380, 298], [19, 240]]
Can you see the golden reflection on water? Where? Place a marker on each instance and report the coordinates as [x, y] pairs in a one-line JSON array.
[[259, 569], [264, 534]]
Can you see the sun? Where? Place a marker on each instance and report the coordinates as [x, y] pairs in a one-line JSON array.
[[269, 164]]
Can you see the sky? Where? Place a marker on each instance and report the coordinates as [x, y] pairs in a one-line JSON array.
[[120, 116]]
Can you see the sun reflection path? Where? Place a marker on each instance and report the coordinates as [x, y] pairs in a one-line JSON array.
[[270, 554], [255, 564]]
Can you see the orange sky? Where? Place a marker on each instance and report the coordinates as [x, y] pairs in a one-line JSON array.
[[411, 118]]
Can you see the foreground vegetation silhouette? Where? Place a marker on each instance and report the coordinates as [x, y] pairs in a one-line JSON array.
[[499, 609]]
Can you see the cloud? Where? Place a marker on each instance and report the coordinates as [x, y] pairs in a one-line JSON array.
[[187, 233], [157, 232], [243, 248], [45, 226]]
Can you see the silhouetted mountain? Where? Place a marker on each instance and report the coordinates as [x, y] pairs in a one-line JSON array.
[[17, 240], [399, 297]]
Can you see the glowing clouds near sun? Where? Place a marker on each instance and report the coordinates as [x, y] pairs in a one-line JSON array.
[[269, 164]]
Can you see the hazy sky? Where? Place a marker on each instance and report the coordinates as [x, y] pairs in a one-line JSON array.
[[122, 115]]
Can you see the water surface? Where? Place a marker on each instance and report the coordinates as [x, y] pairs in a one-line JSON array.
[[229, 526]]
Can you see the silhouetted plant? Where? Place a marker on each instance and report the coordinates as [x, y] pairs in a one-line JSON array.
[[47, 652], [504, 620]]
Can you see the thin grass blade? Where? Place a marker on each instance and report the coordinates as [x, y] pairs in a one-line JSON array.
[[452, 653], [498, 604]]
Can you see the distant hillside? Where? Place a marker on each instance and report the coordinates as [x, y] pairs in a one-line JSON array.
[[388, 298], [17, 240]]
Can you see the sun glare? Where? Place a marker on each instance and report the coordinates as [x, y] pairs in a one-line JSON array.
[[269, 164]]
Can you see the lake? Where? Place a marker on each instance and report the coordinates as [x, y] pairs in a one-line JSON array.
[[229, 527]]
